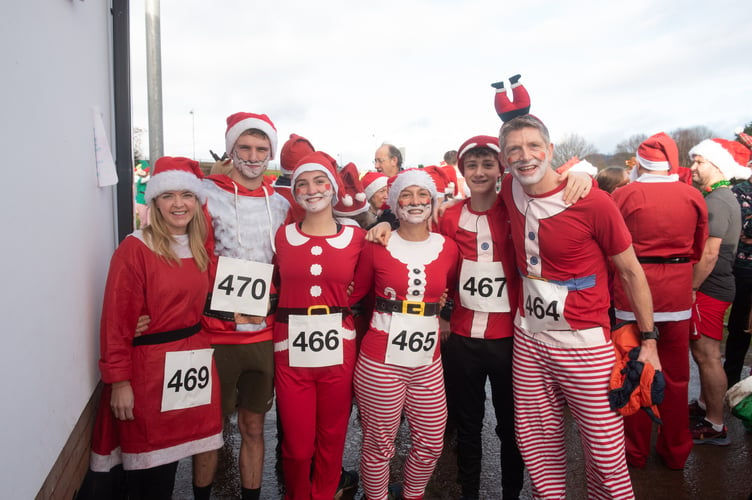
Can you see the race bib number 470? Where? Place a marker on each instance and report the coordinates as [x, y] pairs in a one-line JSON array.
[[242, 286], [187, 379]]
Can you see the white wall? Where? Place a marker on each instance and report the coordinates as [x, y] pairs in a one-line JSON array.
[[57, 226]]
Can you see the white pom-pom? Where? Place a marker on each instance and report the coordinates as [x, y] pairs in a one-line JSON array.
[[347, 200], [738, 130], [360, 197]]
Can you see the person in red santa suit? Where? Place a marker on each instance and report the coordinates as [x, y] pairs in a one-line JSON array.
[[668, 221], [295, 148], [399, 366], [161, 399], [314, 336]]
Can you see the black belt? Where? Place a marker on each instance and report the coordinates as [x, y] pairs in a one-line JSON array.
[[165, 337], [407, 307], [283, 313], [663, 260], [228, 316]]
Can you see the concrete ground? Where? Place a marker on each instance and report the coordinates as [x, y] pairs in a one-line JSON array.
[[711, 472]]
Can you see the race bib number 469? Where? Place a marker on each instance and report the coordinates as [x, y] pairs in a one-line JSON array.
[[187, 379], [242, 286]]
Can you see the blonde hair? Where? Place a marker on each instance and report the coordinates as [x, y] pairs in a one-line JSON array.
[[159, 238]]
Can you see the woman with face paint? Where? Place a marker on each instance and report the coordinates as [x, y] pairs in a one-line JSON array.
[[399, 366], [314, 335]]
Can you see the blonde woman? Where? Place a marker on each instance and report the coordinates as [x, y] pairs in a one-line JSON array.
[[161, 399]]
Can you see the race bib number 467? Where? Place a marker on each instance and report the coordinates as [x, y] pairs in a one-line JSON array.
[[187, 379], [242, 286], [483, 287]]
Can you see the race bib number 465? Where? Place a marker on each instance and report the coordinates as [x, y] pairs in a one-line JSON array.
[[242, 286], [412, 340], [187, 379]]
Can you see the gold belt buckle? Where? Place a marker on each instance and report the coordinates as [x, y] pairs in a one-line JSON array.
[[320, 307], [409, 307]]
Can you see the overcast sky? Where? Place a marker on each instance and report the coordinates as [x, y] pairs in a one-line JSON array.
[[349, 75]]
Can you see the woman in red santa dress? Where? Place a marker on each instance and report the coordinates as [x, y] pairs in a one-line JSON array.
[[314, 336], [160, 401], [399, 366]]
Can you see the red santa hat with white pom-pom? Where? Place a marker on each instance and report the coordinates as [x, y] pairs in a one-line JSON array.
[[322, 162], [730, 157], [175, 174], [240, 122], [354, 200]]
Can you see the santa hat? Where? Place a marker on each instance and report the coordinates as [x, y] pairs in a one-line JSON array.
[[658, 152], [372, 182], [744, 138], [175, 174], [407, 178], [729, 156], [293, 150], [240, 122], [507, 109], [321, 162], [353, 200], [444, 177], [479, 141], [574, 164]]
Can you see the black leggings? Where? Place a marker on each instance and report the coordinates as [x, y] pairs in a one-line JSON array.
[[151, 484]]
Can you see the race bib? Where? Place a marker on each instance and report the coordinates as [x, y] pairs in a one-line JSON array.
[[483, 287], [187, 379], [315, 340], [242, 286], [412, 340], [544, 305]]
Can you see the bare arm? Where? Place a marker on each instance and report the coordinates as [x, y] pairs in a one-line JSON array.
[[636, 287], [707, 262], [121, 400], [579, 186], [380, 233]]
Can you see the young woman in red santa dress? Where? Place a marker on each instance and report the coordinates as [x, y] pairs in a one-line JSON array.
[[160, 401], [399, 365], [314, 333]]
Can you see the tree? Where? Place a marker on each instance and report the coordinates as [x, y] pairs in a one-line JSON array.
[[571, 145], [687, 138], [629, 146]]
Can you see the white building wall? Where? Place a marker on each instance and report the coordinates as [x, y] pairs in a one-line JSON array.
[[58, 227]]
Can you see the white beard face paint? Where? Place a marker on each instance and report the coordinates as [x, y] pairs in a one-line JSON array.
[[249, 169], [528, 180], [414, 214], [315, 202]]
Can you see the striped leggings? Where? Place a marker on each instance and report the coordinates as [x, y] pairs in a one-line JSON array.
[[382, 392], [548, 375]]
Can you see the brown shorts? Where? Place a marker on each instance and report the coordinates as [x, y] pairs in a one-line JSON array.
[[246, 376]]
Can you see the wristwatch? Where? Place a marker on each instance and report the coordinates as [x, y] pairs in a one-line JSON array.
[[652, 335]]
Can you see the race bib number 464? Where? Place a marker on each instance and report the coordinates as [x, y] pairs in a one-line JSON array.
[[187, 379], [544, 305], [242, 286]]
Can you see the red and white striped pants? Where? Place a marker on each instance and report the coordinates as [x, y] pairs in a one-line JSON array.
[[572, 368], [382, 392]]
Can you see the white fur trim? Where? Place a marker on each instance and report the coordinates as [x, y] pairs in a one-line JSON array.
[[408, 178], [472, 145], [374, 186], [174, 180], [716, 154], [313, 167], [231, 137], [652, 165], [584, 166]]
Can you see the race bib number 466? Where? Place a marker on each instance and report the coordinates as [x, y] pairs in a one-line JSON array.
[[242, 286], [187, 379]]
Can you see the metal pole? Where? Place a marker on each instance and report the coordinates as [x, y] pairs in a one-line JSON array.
[[193, 132], [154, 80]]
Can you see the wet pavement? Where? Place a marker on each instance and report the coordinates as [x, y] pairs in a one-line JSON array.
[[712, 472]]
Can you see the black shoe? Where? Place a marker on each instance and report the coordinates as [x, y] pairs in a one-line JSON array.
[[348, 481], [514, 79]]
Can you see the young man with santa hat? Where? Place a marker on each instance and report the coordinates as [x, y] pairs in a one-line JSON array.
[[714, 163], [244, 212], [668, 221]]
